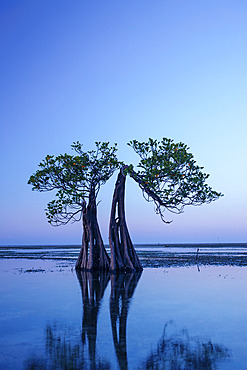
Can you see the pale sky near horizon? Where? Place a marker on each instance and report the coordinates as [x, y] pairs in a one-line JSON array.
[[116, 71]]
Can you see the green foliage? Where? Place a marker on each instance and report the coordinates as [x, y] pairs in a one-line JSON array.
[[75, 178], [169, 172]]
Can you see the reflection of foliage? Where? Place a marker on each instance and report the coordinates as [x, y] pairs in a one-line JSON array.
[[62, 354], [184, 352], [35, 363]]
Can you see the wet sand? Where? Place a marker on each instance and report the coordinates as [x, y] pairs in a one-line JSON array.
[[177, 260], [150, 255]]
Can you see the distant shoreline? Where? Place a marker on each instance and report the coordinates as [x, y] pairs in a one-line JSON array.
[[150, 255], [139, 245]]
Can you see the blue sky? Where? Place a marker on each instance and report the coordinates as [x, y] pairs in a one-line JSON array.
[[116, 71]]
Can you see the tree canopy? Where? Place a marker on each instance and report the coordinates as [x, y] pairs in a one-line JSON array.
[[74, 178], [169, 176]]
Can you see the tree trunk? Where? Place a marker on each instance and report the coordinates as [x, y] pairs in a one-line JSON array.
[[93, 255], [123, 254]]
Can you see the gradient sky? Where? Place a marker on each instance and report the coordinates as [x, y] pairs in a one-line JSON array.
[[110, 70]]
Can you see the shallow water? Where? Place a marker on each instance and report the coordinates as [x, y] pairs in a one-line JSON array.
[[150, 255], [181, 318]]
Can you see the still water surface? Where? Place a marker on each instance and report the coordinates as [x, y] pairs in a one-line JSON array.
[[164, 318]]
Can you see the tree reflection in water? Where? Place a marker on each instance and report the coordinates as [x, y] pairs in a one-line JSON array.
[[122, 290], [179, 351], [93, 285], [63, 354]]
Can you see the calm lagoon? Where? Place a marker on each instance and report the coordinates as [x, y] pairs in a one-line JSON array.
[[187, 317]]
